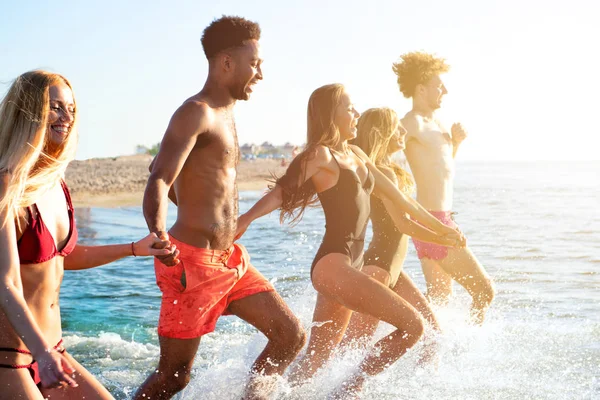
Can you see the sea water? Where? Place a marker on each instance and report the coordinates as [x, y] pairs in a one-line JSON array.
[[534, 226]]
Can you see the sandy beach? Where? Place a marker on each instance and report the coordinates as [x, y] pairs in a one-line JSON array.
[[120, 181]]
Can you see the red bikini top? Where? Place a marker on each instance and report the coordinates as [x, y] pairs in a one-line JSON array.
[[37, 244]]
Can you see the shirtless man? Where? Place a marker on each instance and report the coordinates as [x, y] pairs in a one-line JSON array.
[[207, 274], [430, 151]]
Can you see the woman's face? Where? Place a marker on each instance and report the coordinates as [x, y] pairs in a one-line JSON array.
[[346, 118], [397, 140], [62, 113]]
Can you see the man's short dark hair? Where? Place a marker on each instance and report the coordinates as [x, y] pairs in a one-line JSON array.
[[227, 32]]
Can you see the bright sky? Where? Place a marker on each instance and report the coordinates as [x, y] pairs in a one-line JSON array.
[[524, 78]]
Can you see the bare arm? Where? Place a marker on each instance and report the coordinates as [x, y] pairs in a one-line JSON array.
[[399, 202], [405, 225], [415, 230], [188, 122], [84, 257], [266, 205], [11, 293], [458, 135], [172, 195], [273, 200], [455, 149]]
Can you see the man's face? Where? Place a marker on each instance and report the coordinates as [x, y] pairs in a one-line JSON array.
[[246, 71], [433, 91]]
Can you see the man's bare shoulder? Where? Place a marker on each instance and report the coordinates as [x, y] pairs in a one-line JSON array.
[[193, 117], [412, 123]]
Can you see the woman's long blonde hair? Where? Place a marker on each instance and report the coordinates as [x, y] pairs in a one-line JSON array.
[[24, 158], [321, 131], [375, 129]]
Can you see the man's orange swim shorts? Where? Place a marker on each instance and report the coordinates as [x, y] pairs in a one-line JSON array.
[[213, 279]]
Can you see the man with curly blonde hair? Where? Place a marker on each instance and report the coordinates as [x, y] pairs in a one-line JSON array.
[[430, 151]]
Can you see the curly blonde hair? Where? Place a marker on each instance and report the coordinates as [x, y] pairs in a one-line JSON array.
[[416, 68]]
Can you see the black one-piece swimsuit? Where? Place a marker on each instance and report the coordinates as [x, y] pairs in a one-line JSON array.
[[347, 207], [385, 243]]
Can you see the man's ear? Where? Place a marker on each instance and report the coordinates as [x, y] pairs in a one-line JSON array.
[[420, 88], [227, 62]]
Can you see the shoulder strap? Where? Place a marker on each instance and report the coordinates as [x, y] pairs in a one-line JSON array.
[[335, 159], [356, 154], [67, 194]]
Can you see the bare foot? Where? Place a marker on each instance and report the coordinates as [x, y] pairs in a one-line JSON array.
[[477, 316]]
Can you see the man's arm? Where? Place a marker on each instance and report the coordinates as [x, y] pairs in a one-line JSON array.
[[410, 123], [458, 135], [172, 195], [189, 121]]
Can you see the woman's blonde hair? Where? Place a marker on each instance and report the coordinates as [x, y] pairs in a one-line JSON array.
[[321, 131], [375, 129], [24, 140]]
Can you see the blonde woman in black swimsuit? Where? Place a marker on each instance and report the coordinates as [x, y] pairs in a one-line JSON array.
[[342, 178], [380, 134]]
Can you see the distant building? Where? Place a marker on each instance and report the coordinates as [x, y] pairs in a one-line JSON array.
[[266, 146], [250, 148], [269, 150]]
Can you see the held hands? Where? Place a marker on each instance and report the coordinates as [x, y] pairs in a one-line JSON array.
[[458, 133], [455, 238], [55, 370], [163, 249], [151, 245]]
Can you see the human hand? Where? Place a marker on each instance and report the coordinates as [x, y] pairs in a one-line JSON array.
[[243, 223], [171, 258], [55, 370], [151, 245], [458, 133], [454, 238]]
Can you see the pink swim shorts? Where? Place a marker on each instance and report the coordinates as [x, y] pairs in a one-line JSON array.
[[435, 251]]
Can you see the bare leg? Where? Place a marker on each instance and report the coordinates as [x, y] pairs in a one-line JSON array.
[[462, 265], [17, 384], [174, 369], [89, 387], [362, 326], [270, 315], [330, 319], [338, 282], [439, 283], [406, 288]]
